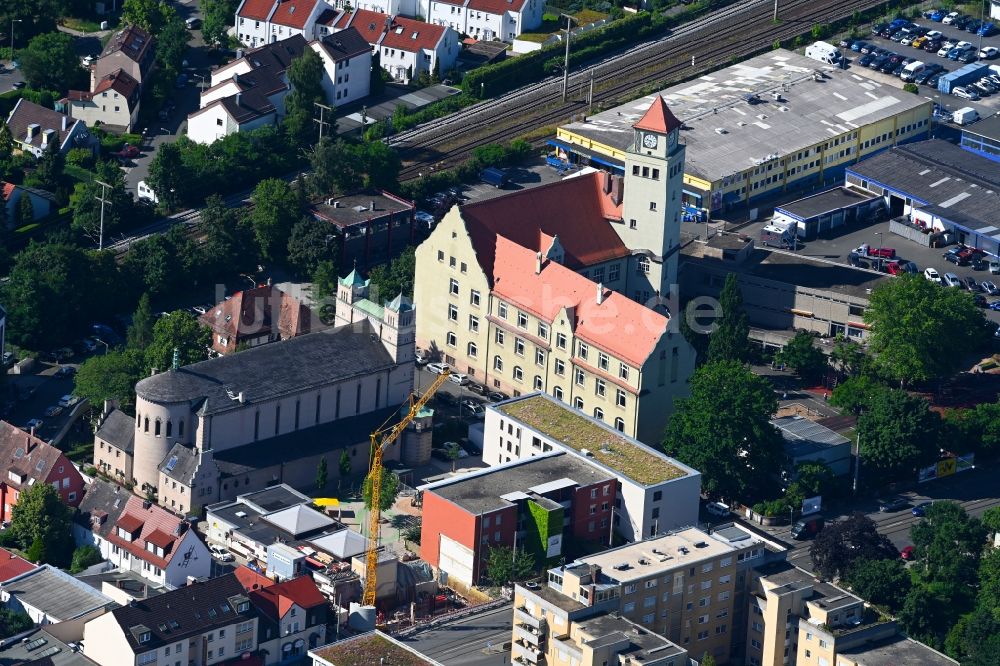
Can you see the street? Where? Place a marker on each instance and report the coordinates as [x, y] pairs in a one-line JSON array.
[[479, 640]]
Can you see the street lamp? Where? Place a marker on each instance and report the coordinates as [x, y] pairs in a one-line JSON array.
[[12, 22], [879, 234]]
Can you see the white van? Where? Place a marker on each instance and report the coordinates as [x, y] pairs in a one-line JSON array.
[[823, 52], [911, 71], [965, 115]]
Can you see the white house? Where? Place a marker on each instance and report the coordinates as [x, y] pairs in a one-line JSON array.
[[114, 101], [41, 201], [261, 22], [136, 535], [347, 66], [485, 19], [406, 47]]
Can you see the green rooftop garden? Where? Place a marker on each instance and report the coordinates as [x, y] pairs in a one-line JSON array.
[[606, 447], [370, 650]]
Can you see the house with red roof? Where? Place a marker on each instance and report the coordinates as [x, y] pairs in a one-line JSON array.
[[12, 565], [407, 47], [137, 535], [255, 317], [292, 619], [568, 288], [262, 22], [485, 19], [113, 101], [26, 460]]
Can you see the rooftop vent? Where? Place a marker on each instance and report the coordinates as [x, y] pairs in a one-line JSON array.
[[721, 130], [701, 544]]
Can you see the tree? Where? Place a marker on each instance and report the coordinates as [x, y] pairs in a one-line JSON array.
[[504, 565], [13, 622], [381, 165], [86, 206], [882, 582], [274, 212], [947, 544], [217, 16], [376, 83], [707, 660], [729, 342], [25, 210], [980, 428], [41, 516], [229, 242], [50, 63], [172, 41], [140, 332], [181, 331], [696, 338], [989, 582], [815, 478], [305, 76], [910, 316], [150, 15], [324, 281], [991, 519], [167, 175], [929, 612], [897, 433], [321, 474], [311, 242], [836, 549], [855, 394], [110, 376], [6, 142], [724, 430], [345, 463], [84, 557], [49, 170], [390, 489], [975, 639], [397, 278], [802, 355]]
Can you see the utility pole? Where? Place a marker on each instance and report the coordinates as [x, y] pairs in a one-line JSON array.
[[102, 197], [320, 120], [590, 96], [775, 17], [857, 469], [569, 25]]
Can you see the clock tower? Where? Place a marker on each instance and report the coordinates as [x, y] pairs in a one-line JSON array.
[[651, 212]]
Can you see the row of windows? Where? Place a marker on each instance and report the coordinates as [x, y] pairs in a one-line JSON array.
[[158, 426]]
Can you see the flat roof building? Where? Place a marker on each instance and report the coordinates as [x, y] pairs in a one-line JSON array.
[[374, 226], [758, 128], [809, 441]]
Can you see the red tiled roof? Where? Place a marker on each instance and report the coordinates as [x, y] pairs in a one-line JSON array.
[[496, 6], [31, 455], [620, 326], [257, 10], [576, 210], [251, 580], [276, 600], [8, 189], [11, 565], [252, 312], [403, 33], [159, 527], [120, 81], [293, 13], [658, 118]]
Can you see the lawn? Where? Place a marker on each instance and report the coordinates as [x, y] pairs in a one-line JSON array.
[[607, 447], [373, 649], [79, 173], [85, 24]]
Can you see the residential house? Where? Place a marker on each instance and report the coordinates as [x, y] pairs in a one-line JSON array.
[[597, 641], [42, 202], [407, 47], [201, 624], [486, 19], [12, 565], [34, 127], [347, 66], [654, 493], [548, 287], [131, 51], [26, 460], [293, 617], [255, 317], [261, 22], [114, 443], [114, 102], [49, 595], [373, 226], [136, 535]]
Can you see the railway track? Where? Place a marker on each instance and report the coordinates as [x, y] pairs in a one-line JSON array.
[[726, 36]]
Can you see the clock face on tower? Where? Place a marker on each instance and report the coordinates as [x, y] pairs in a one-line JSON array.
[[672, 139], [650, 140]]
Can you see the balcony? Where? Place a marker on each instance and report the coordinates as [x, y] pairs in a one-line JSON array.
[[522, 616], [525, 653], [529, 635]]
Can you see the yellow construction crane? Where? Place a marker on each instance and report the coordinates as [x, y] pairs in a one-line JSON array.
[[381, 438]]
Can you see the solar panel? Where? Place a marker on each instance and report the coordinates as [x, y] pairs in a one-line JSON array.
[[171, 463], [49, 652], [35, 644]]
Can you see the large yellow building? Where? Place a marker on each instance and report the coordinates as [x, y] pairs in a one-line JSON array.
[[756, 129]]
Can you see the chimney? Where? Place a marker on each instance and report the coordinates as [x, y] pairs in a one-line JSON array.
[[329, 202], [65, 122], [153, 371], [239, 55], [146, 504], [371, 205], [238, 97], [538, 263], [29, 442], [606, 182], [236, 76], [336, 204], [617, 190], [600, 293], [32, 131]]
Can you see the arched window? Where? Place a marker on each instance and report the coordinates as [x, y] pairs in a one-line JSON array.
[[538, 382], [180, 428], [145, 424], [598, 413], [156, 428], [138, 420], [578, 402], [170, 428], [620, 424]]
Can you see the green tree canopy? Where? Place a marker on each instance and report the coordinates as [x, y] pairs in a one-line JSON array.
[[86, 207], [13, 622], [847, 356], [181, 331], [504, 565], [855, 394], [150, 15], [729, 342], [978, 429], [324, 281], [110, 376], [896, 434], [802, 355], [947, 544], [40, 515], [840, 545], [311, 242], [25, 210], [930, 611], [140, 332], [388, 493], [50, 63], [217, 16], [344, 464], [975, 639], [275, 210], [168, 177], [815, 478], [387, 282], [910, 316], [229, 240], [989, 582], [724, 430], [49, 170], [172, 41], [882, 582], [321, 474], [84, 557], [305, 76]]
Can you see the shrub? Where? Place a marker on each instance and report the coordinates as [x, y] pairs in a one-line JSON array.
[[80, 157]]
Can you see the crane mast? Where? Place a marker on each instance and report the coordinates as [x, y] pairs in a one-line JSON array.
[[380, 439]]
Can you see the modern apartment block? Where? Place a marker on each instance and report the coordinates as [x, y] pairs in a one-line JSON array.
[[655, 493], [687, 585]]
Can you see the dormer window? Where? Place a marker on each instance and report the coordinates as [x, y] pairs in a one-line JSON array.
[[243, 607]]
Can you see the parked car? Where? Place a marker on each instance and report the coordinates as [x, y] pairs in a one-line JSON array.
[[477, 388], [438, 368], [932, 45], [66, 371], [879, 27], [473, 407], [891, 504], [866, 60], [989, 288], [995, 305], [34, 423], [221, 554], [882, 252], [907, 553], [995, 267], [968, 57], [965, 93], [459, 378], [961, 21], [971, 284], [973, 26], [54, 410], [807, 527], [979, 301], [933, 81], [856, 46], [453, 446], [932, 275], [497, 396], [947, 46], [987, 29], [989, 52], [68, 400], [951, 280], [920, 510], [718, 509], [421, 357], [9, 359], [951, 18]]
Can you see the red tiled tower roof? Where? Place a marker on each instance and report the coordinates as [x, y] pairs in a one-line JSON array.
[[658, 118]]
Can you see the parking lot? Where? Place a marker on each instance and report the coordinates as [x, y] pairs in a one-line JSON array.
[[986, 105], [33, 394]]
